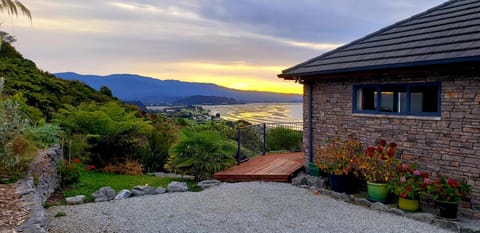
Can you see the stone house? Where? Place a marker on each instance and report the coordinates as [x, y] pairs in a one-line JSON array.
[[416, 82]]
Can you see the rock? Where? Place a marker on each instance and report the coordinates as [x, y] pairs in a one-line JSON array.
[[209, 183], [299, 180], [317, 182], [304, 186], [446, 224], [361, 201], [395, 211], [422, 217], [177, 187], [339, 196], [378, 206], [160, 190], [123, 194], [142, 190], [469, 225], [104, 194], [79, 199]]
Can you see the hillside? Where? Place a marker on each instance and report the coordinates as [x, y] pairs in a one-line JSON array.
[[42, 90], [154, 91]]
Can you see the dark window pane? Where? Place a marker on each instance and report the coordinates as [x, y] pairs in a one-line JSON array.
[[366, 98], [394, 99], [424, 99]]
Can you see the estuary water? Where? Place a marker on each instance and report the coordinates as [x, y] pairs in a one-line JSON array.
[[256, 113]]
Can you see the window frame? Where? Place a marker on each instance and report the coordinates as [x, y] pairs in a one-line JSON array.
[[408, 87]]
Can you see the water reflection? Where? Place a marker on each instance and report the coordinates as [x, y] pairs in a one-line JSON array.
[[259, 112]]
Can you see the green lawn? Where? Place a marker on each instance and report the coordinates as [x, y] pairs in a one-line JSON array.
[[92, 181]]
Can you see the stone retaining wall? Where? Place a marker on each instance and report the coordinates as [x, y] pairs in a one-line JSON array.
[[41, 182], [447, 145]]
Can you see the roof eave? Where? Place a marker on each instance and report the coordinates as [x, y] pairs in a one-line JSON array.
[[303, 75]]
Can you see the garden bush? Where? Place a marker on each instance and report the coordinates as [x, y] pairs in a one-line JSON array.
[[201, 154], [281, 138]]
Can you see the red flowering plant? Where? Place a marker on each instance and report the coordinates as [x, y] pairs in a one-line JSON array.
[[337, 157], [378, 162], [70, 172], [447, 189], [408, 182]]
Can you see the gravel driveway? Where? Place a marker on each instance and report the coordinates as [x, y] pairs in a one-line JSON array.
[[240, 207]]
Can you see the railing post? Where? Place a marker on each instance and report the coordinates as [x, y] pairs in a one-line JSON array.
[[264, 138], [238, 146]]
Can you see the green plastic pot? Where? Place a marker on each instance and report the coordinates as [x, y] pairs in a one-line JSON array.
[[313, 170], [377, 192]]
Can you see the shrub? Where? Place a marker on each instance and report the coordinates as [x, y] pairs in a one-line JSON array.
[[15, 150], [281, 138], [128, 167], [69, 172], [201, 154], [338, 157], [44, 135]]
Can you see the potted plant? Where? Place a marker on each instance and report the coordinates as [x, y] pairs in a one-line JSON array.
[[377, 165], [337, 159], [407, 184], [447, 193]]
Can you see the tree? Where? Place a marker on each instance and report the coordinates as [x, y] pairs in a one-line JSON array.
[[106, 91]]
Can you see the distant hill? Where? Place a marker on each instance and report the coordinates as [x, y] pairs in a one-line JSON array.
[[154, 91], [206, 100]]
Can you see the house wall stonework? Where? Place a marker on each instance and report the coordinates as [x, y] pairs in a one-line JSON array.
[[446, 145]]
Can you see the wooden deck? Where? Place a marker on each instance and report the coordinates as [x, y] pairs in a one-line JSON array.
[[275, 167]]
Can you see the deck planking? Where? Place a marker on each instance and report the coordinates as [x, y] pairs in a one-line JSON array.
[[274, 167]]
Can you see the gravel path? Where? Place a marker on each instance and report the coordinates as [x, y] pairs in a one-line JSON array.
[[240, 207]]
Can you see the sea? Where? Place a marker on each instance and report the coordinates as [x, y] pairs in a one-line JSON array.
[[257, 113]]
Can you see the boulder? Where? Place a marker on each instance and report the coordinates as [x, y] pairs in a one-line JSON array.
[[378, 206], [317, 182], [79, 199], [123, 194], [299, 180], [143, 190], [422, 217], [104, 194], [160, 190], [177, 187], [209, 183]]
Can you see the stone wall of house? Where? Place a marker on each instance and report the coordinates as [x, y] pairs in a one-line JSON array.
[[447, 145]]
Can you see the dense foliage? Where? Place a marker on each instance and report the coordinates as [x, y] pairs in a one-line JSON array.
[[201, 154], [284, 139]]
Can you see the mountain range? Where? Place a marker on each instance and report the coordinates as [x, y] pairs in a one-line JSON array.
[[149, 90]]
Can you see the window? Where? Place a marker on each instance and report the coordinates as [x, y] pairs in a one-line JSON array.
[[421, 99]]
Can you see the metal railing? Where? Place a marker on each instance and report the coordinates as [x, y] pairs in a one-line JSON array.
[[259, 139]]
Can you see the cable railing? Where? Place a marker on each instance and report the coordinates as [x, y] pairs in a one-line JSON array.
[[260, 139]]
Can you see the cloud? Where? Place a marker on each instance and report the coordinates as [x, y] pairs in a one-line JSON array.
[[213, 39]]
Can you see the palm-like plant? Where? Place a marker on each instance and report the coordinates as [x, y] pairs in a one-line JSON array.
[[14, 7]]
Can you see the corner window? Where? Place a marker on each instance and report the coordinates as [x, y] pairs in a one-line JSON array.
[[398, 99]]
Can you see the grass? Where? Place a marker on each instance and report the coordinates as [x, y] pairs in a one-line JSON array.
[[92, 181]]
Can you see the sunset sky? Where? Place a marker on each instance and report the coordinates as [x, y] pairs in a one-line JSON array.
[[240, 44]]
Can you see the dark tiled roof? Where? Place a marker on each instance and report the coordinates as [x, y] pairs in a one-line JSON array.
[[449, 33]]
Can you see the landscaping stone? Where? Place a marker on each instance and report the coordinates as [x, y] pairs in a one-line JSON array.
[[445, 224], [317, 182], [422, 217], [395, 211], [339, 196], [361, 201], [299, 180], [104, 194], [123, 194], [378, 206], [209, 183], [304, 186], [79, 199], [160, 190], [176, 186], [142, 190]]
